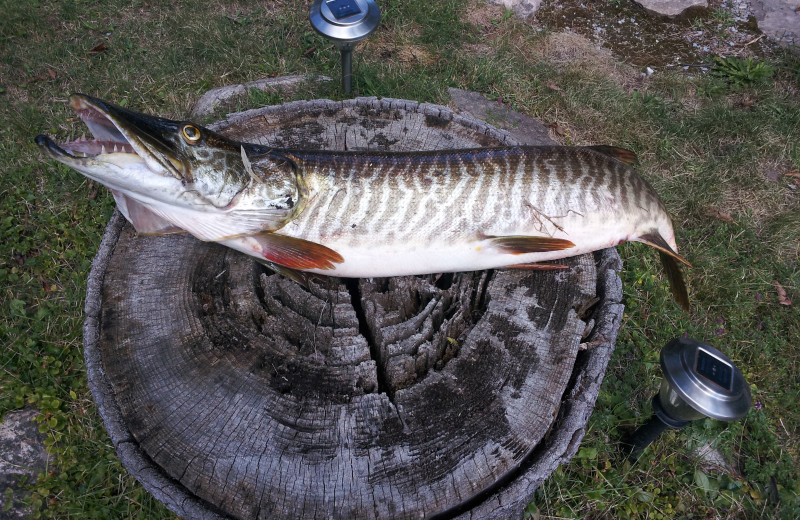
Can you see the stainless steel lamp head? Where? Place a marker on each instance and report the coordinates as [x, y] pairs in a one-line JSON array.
[[345, 21], [700, 381]]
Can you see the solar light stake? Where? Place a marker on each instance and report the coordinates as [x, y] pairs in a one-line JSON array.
[[347, 67], [699, 381], [345, 22]]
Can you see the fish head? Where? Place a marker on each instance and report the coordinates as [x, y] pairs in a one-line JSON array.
[[170, 165]]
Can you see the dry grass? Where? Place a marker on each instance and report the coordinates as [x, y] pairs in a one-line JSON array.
[[399, 50], [704, 145], [485, 17], [571, 51]]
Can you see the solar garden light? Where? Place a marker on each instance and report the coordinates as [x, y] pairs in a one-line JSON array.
[[345, 22], [699, 381]]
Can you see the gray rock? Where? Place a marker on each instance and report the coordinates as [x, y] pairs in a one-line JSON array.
[[523, 8], [524, 128], [671, 7], [217, 97], [22, 459], [713, 461], [778, 20]]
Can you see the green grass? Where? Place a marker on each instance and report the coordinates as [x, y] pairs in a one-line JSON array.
[[711, 145]]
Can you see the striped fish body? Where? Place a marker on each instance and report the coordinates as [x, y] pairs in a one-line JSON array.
[[360, 214], [418, 213]]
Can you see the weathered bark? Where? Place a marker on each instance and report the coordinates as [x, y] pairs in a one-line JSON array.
[[231, 391]]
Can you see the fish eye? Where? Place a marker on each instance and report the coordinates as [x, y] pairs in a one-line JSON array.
[[191, 134]]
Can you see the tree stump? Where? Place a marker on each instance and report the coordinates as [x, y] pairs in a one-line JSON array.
[[232, 392]]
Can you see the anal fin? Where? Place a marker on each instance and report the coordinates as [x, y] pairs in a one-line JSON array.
[[296, 253], [538, 267], [520, 245]]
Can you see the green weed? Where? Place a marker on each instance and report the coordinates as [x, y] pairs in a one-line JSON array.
[[723, 17], [704, 150], [742, 72], [260, 98]]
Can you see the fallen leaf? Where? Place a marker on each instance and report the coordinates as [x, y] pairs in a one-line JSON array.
[[49, 75], [553, 86], [746, 102], [783, 299], [558, 129], [795, 174], [721, 215], [97, 49]]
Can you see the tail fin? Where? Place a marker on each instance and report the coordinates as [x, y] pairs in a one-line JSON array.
[[676, 283], [670, 259], [654, 239]]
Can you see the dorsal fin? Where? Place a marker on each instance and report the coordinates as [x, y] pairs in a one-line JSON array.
[[624, 156]]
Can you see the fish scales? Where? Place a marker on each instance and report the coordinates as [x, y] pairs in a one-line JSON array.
[[387, 194], [408, 197], [365, 214]]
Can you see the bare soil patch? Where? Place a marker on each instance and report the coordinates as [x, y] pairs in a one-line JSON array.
[[646, 39]]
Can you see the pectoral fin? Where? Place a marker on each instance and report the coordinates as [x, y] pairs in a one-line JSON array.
[[292, 274], [296, 253], [519, 245], [143, 219]]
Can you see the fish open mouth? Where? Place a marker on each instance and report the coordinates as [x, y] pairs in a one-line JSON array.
[[106, 136], [119, 136]]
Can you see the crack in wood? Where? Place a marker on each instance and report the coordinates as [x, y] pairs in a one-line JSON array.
[[384, 385], [303, 365], [480, 296]]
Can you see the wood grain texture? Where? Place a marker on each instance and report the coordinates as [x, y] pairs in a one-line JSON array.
[[232, 392]]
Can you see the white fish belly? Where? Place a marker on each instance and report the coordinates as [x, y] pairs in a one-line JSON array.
[[383, 261]]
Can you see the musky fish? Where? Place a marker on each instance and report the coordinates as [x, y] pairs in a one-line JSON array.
[[369, 214]]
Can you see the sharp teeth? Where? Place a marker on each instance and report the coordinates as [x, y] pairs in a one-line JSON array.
[[115, 148], [102, 149], [83, 137]]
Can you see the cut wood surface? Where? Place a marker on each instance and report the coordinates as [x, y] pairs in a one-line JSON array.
[[232, 392]]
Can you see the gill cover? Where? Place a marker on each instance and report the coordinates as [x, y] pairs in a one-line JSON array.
[[168, 176]]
